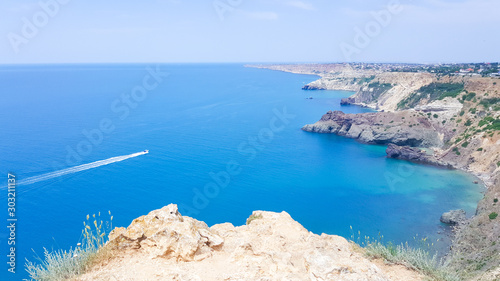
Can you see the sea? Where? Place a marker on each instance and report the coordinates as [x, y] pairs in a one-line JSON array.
[[223, 140]]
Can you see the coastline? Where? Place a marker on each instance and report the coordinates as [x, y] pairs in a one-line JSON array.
[[485, 178], [468, 147]]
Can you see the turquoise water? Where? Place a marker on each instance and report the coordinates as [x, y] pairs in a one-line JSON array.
[[196, 122]]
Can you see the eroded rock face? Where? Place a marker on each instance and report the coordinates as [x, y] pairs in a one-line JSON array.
[[401, 128], [165, 233], [415, 155], [164, 245]]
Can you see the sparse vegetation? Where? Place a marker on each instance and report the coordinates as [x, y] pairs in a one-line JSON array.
[[489, 102], [433, 91], [62, 264], [253, 217], [418, 259], [490, 124]]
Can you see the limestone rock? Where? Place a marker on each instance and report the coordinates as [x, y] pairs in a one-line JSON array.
[[164, 245], [165, 233]]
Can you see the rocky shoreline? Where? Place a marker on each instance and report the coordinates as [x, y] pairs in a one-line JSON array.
[[458, 117]]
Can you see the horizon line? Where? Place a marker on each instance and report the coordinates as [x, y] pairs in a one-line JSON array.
[[244, 63]]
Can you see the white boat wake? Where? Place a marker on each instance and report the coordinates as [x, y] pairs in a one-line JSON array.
[[77, 169]]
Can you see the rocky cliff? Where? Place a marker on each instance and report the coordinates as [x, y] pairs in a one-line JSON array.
[[402, 128], [164, 245], [457, 115]]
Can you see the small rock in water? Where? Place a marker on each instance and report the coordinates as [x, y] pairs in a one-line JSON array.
[[453, 217]]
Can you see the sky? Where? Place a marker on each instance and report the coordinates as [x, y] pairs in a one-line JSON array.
[[267, 31]]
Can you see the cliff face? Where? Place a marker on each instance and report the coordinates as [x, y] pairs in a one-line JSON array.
[[387, 89], [402, 128], [458, 116], [164, 245]]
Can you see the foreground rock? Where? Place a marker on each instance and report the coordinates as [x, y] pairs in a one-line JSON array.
[[415, 155], [402, 128], [164, 245], [453, 217]]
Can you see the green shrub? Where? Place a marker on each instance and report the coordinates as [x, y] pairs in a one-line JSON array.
[[493, 216], [495, 200], [480, 149], [435, 116], [486, 120], [468, 97], [465, 144], [468, 122], [494, 125]]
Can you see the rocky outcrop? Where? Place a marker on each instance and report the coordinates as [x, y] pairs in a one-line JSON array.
[[165, 233], [453, 217], [401, 128], [164, 245], [415, 155]]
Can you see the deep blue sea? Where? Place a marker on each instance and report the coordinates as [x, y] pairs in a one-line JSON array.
[[224, 140]]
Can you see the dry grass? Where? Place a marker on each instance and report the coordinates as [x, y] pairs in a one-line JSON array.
[[417, 258], [66, 264]]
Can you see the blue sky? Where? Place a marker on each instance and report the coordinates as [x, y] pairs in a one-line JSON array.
[[78, 31]]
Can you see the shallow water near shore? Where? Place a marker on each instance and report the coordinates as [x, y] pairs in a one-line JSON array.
[[200, 124]]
